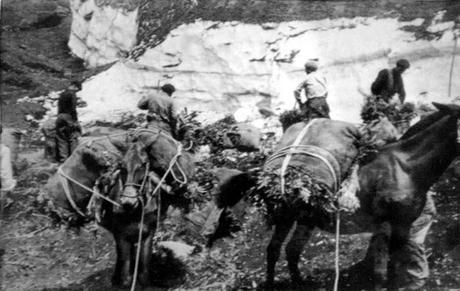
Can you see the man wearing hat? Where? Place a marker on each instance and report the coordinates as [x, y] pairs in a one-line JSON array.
[[162, 110], [67, 127], [389, 82], [315, 87]]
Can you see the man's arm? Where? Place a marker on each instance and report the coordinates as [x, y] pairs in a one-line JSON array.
[[298, 90], [402, 93]]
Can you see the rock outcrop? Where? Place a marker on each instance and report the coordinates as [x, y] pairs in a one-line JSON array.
[[103, 31]]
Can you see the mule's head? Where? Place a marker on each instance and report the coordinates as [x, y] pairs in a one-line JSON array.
[[226, 211], [136, 162], [454, 111]]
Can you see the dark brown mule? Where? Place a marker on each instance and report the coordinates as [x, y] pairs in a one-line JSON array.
[[90, 159], [154, 161], [94, 158], [393, 190]]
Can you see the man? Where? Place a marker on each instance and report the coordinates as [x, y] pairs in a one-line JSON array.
[[413, 268], [389, 82], [315, 87], [162, 111], [7, 183], [67, 128]]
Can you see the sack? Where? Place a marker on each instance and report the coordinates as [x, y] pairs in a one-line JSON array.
[[337, 138], [242, 137]]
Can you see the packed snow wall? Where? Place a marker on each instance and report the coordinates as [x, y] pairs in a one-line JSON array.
[[234, 67]]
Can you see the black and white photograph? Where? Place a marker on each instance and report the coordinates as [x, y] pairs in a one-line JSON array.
[[230, 145]]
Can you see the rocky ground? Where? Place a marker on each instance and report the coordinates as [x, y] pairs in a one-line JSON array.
[[40, 255]]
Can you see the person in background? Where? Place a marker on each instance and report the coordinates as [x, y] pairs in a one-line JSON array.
[[7, 183], [315, 88], [162, 110], [68, 129], [389, 82]]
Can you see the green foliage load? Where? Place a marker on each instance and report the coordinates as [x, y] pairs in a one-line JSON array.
[[375, 107], [301, 190], [288, 118]]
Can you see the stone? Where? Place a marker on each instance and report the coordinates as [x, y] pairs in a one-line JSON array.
[[180, 250]]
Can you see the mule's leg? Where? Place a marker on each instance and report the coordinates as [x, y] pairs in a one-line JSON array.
[[116, 277], [294, 248], [145, 259], [123, 266], [377, 254], [399, 238], [274, 249]]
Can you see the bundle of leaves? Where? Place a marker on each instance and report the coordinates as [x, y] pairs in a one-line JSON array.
[[203, 181], [375, 107], [301, 190], [189, 129], [213, 134], [200, 185], [288, 118]]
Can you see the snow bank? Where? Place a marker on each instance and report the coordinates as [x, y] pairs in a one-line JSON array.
[[101, 34], [220, 68]]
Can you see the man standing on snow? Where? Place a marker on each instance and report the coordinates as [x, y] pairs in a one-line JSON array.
[[67, 128], [162, 111], [389, 82], [315, 87]]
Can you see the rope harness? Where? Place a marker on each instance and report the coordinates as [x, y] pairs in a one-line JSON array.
[[64, 178]]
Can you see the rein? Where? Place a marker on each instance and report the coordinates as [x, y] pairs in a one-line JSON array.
[[65, 184]]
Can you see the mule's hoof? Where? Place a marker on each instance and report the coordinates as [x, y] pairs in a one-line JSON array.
[[116, 281], [297, 284], [268, 286], [126, 283], [144, 279]]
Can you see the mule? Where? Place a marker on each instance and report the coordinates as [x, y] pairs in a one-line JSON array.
[[94, 160], [393, 190], [155, 171]]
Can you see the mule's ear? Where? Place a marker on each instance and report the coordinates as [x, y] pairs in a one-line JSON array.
[[90, 159], [142, 150], [452, 109]]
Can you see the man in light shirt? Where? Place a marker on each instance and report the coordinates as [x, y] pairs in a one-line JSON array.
[[315, 88]]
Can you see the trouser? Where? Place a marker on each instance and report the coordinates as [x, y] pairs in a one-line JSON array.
[[412, 264], [315, 108], [65, 145]]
